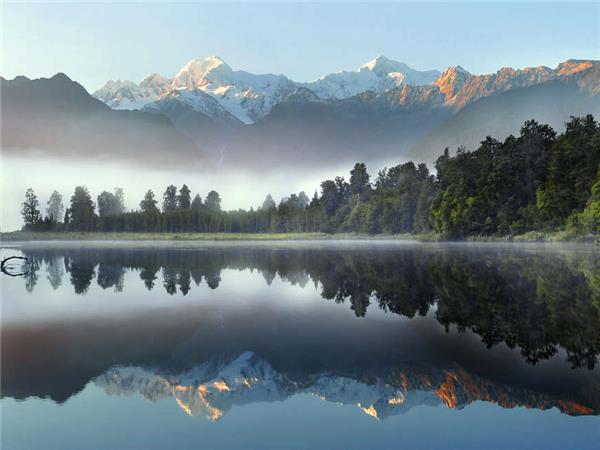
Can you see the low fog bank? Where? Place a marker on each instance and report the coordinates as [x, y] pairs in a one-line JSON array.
[[238, 189]]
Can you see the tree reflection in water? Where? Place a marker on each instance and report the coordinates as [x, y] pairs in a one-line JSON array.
[[536, 301]]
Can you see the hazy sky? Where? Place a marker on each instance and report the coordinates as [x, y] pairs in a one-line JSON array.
[[94, 42]]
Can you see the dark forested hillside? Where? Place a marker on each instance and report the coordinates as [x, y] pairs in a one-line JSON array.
[[537, 180]]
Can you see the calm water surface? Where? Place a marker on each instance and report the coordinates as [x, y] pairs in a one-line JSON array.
[[301, 345]]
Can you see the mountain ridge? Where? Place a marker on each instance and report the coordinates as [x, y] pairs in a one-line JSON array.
[[57, 114], [213, 388], [253, 125], [251, 97]]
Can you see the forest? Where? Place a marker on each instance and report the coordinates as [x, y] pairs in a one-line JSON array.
[[537, 181]]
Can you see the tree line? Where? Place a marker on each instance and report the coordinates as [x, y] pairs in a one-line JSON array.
[[538, 180]]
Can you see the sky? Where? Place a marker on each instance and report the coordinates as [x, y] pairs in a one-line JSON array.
[[95, 42]]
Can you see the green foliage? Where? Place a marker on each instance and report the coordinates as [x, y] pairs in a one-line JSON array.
[[588, 221], [535, 182], [148, 204], [81, 212], [184, 199], [197, 203], [111, 204], [213, 201], [169, 199], [30, 210]]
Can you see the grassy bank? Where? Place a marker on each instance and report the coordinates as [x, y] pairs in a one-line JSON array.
[[559, 236], [99, 236], [539, 236]]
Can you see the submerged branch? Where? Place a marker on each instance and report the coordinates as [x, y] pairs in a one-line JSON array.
[[7, 267]]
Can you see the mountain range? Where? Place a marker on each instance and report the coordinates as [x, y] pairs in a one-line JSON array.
[[56, 116], [210, 86], [382, 110], [212, 388]]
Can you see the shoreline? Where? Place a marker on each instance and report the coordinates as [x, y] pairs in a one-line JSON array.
[[531, 237]]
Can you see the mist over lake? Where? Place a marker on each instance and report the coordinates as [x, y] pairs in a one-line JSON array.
[[239, 188]]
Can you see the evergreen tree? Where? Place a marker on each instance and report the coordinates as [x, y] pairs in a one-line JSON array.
[[359, 179], [82, 215], [537, 180], [110, 204], [106, 204], [197, 203], [268, 203], [170, 199], [303, 199], [67, 218], [330, 198], [213, 201], [183, 199], [148, 204], [30, 210]]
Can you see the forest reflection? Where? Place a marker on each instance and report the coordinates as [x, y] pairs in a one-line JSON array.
[[536, 301]]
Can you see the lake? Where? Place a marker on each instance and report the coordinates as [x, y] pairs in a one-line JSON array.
[[320, 345]]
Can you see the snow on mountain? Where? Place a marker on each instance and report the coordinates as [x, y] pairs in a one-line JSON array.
[[382, 67], [244, 95], [128, 95], [155, 85], [211, 389], [249, 97], [179, 101], [377, 75]]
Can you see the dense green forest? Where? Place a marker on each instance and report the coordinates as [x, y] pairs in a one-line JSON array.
[[537, 181]]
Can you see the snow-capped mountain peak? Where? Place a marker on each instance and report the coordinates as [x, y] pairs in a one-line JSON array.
[[250, 97], [155, 85], [200, 72], [381, 66], [126, 94], [213, 388], [378, 75]]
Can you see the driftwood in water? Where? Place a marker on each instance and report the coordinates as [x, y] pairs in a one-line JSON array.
[[6, 266]]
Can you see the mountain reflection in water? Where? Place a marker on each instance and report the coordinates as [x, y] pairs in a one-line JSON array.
[[515, 326]]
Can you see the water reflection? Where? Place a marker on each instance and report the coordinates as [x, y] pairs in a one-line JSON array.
[[468, 308], [536, 301]]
